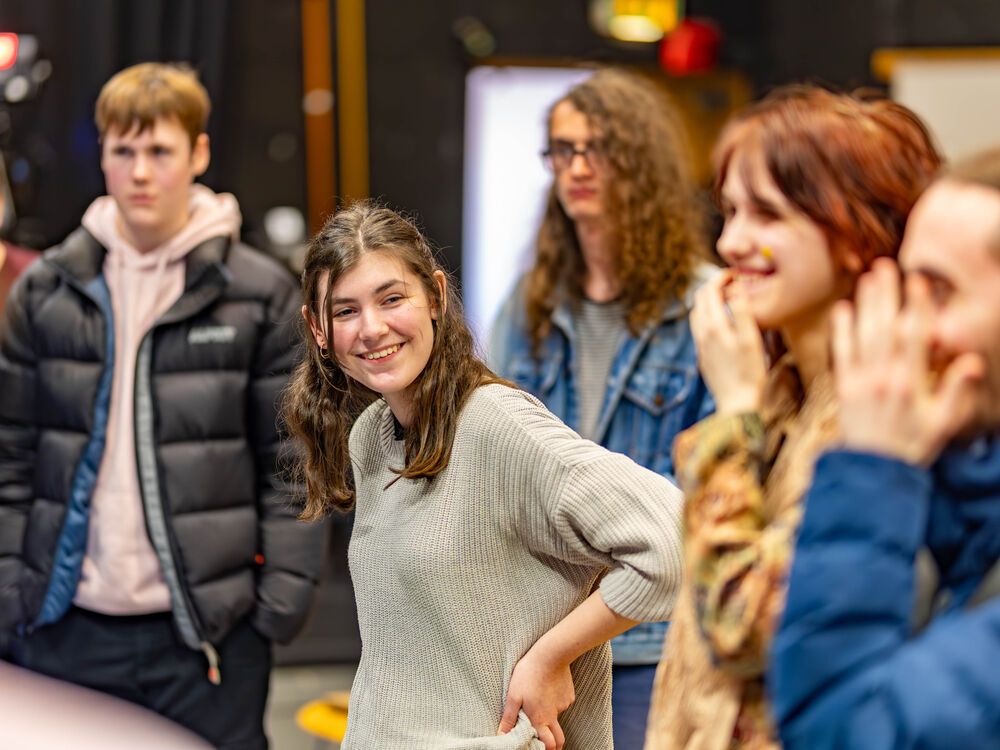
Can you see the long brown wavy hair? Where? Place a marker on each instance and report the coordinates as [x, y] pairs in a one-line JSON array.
[[322, 401], [659, 221]]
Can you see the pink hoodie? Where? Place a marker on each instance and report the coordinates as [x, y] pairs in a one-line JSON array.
[[121, 573]]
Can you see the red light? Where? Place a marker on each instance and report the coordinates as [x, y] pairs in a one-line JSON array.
[[693, 47], [8, 51]]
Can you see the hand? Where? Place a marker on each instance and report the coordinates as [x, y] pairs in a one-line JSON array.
[[730, 349], [542, 689], [891, 402]]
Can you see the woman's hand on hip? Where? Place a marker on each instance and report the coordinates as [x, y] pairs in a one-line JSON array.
[[730, 346], [542, 688]]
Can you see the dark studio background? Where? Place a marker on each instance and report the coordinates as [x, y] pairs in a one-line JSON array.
[[249, 56]]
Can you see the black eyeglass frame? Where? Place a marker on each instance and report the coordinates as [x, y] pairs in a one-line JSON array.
[[592, 153]]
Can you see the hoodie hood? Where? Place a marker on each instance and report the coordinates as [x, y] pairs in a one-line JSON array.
[[143, 285], [210, 215]]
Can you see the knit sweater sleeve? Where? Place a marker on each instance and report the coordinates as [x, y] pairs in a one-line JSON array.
[[631, 518], [584, 505]]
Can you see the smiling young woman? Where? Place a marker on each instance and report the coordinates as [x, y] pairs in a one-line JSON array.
[[813, 187], [482, 526]]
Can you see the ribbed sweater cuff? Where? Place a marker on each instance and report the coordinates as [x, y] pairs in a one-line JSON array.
[[628, 594]]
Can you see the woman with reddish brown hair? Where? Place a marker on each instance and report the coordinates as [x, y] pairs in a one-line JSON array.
[[813, 187]]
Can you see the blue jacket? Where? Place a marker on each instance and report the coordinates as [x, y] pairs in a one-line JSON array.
[[654, 392], [847, 670]]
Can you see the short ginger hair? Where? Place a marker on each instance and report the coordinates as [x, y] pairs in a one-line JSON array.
[[854, 164], [140, 95]]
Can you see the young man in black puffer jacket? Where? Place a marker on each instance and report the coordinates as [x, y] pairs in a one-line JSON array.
[[147, 547]]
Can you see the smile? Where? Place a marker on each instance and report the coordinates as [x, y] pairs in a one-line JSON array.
[[381, 353], [751, 276]]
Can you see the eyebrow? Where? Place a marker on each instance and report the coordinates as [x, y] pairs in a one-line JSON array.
[[379, 290], [154, 144], [930, 274], [755, 199]]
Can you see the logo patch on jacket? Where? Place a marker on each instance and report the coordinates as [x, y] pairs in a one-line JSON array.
[[212, 335]]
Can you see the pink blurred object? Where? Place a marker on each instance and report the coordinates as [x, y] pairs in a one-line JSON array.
[[693, 47], [39, 712]]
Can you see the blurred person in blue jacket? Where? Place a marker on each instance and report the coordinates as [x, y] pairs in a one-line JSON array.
[[598, 328], [919, 386]]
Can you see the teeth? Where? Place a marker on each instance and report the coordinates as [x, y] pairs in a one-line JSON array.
[[384, 353]]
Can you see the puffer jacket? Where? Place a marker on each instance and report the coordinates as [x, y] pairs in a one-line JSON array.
[[209, 376], [848, 671]]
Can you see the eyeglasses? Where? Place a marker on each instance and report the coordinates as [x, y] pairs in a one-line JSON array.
[[560, 154]]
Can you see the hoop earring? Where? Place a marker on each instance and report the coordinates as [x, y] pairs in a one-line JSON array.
[[324, 353]]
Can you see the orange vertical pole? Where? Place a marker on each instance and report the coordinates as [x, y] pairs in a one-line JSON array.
[[318, 104], [352, 98]]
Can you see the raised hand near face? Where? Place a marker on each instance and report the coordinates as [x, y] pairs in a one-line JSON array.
[[730, 346], [892, 402]]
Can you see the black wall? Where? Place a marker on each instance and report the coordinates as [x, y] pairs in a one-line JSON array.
[[416, 68], [416, 89], [249, 56], [833, 41], [247, 53]]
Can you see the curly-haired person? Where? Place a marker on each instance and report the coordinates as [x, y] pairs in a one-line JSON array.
[[598, 328]]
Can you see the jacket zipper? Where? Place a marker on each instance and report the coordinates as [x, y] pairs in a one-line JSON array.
[[182, 611], [156, 516]]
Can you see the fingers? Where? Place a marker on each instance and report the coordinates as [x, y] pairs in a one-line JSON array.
[[509, 718], [722, 309], [913, 337], [711, 304], [697, 320], [877, 305], [709, 319], [746, 327], [559, 736], [954, 405], [551, 736], [843, 340]]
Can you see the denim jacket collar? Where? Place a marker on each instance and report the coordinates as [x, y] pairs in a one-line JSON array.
[[630, 349]]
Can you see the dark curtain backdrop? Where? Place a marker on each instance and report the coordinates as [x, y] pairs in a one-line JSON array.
[[416, 68], [247, 55]]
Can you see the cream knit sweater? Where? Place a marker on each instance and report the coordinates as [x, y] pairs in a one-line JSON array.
[[458, 576]]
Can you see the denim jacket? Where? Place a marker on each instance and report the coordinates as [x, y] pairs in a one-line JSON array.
[[654, 392]]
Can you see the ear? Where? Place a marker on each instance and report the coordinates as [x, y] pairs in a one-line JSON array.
[[315, 330], [442, 282], [201, 155]]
